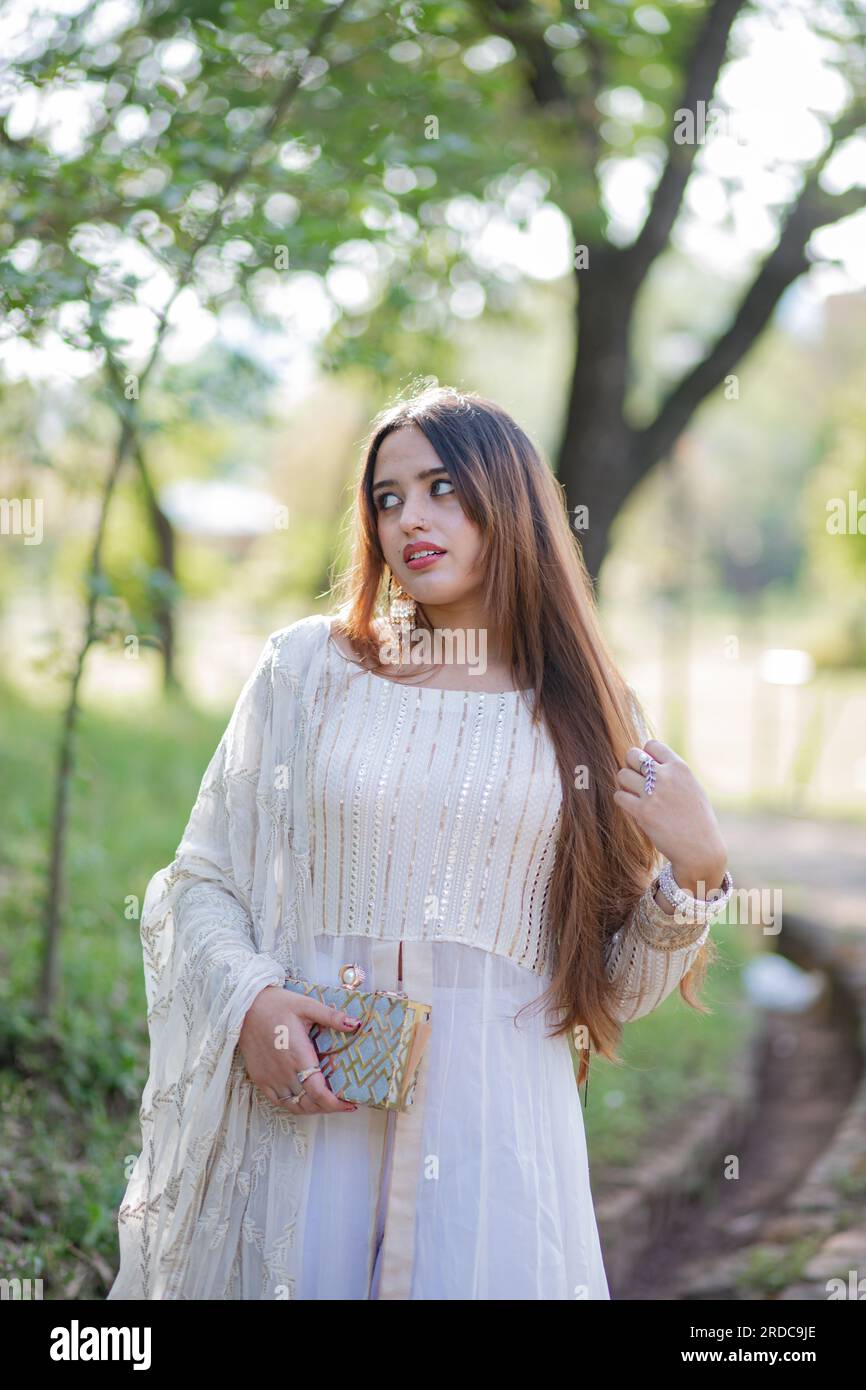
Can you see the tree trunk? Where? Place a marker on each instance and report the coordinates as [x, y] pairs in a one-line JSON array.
[[596, 463], [164, 607], [66, 752]]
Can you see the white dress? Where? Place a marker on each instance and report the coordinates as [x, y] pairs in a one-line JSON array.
[[510, 1213], [503, 1207], [414, 816]]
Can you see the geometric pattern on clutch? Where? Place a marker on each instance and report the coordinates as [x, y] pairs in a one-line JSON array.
[[377, 1064]]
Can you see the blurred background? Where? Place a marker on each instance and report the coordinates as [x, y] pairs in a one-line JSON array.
[[229, 234]]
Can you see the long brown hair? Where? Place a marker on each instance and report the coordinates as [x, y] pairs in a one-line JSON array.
[[538, 586]]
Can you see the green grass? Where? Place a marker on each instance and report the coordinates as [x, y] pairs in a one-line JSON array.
[[69, 1092], [673, 1056]]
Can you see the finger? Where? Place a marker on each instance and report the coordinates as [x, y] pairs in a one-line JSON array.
[[328, 1015], [286, 1101], [304, 1055], [662, 752], [302, 1106], [319, 1092], [298, 1104], [341, 1107], [636, 757], [630, 781]]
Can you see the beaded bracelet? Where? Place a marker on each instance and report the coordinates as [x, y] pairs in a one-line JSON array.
[[688, 908]]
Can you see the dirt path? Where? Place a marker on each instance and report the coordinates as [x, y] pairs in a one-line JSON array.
[[807, 1076]]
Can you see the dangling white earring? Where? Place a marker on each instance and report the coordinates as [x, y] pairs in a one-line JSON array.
[[401, 612]]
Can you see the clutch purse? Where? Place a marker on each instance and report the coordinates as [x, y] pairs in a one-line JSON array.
[[378, 1063]]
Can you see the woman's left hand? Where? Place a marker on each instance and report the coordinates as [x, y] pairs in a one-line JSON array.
[[677, 817]]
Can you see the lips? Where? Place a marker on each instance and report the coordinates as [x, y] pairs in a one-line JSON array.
[[418, 547]]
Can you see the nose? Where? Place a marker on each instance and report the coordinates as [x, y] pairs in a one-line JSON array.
[[413, 514]]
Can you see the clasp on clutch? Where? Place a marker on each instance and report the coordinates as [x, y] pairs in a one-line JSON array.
[[352, 975]]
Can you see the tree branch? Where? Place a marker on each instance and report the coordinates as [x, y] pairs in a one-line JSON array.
[[814, 208], [514, 20], [707, 56]]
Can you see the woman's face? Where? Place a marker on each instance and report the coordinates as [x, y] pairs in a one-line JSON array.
[[417, 507]]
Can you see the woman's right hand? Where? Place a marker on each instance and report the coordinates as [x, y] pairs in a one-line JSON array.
[[281, 1015]]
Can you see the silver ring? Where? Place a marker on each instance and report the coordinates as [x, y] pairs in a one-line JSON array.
[[302, 1075], [290, 1095], [648, 767]]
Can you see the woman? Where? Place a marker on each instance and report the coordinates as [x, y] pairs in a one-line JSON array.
[[479, 826]]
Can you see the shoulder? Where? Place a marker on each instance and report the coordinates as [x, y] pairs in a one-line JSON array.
[[294, 647]]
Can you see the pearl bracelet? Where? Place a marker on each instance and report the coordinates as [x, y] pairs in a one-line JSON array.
[[691, 909]]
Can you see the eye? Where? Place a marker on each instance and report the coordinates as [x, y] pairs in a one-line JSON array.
[[380, 501]]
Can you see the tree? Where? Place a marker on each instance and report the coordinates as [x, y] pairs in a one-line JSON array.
[[229, 148]]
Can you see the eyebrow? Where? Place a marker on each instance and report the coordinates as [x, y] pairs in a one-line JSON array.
[[425, 473]]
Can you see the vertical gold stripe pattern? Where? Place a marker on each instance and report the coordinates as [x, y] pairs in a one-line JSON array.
[[427, 807]]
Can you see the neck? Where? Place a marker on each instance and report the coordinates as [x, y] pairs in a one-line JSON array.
[[466, 617]]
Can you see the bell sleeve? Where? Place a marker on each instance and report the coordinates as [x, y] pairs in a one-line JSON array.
[[203, 969], [648, 956]]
